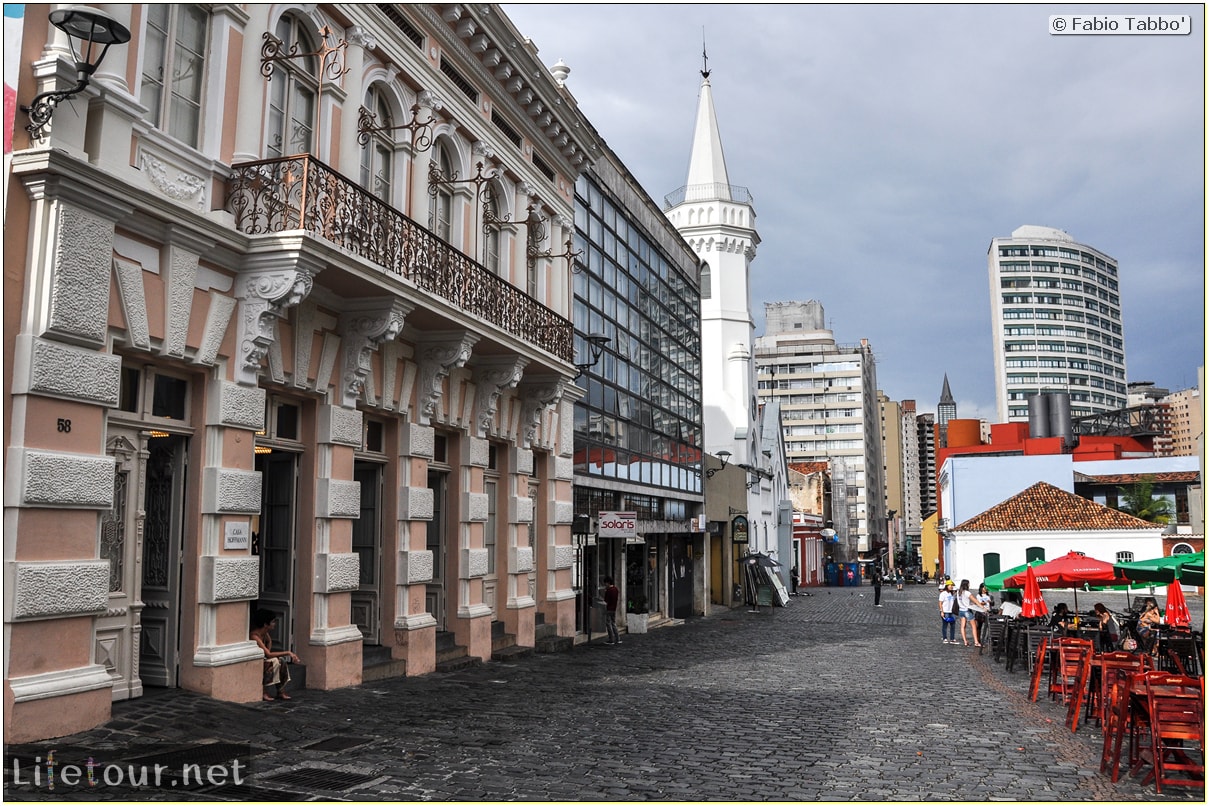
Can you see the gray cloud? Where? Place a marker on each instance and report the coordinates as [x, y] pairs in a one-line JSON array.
[[885, 146]]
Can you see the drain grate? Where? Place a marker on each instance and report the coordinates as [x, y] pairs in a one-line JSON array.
[[319, 778], [252, 794], [339, 743], [201, 754]]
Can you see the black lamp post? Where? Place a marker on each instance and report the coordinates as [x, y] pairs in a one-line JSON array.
[[85, 28], [725, 457], [596, 345]]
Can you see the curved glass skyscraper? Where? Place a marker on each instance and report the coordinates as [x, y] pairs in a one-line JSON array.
[[1056, 312]]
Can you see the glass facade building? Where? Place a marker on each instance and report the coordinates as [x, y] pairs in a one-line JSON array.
[[641, 418]]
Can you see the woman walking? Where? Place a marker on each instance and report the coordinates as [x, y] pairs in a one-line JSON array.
[[948, 615], [964, 594]]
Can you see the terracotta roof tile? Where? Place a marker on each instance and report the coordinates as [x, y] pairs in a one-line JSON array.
[[809, 467], [1045, 508], [1134, 478]]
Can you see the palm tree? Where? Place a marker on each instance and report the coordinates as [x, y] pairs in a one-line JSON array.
[[1138, 500]]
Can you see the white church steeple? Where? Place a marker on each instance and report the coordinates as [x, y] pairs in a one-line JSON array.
[[718, 221]]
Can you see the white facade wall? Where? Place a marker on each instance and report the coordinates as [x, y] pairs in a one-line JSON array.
[[970, 485], [968, 549]]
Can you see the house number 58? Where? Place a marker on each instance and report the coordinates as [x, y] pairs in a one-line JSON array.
[[64, 426]]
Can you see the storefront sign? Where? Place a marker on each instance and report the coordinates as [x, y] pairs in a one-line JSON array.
[[617, 524], [738, 529]]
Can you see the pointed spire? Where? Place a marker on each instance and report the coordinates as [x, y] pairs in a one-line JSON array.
[[707, 165], [945, 395]]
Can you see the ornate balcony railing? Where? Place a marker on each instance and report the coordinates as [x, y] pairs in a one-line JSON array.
[[301, 193]]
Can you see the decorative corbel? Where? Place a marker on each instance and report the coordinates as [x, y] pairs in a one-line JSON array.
[[364, 329], [437, 357], [264, 297], [491, 377], [537, 395]]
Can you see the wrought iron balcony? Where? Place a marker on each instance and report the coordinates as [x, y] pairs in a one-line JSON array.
[[301, 193]]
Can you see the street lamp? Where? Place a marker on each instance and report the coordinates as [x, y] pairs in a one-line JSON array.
[[596, 345], [725, 457], [85, 27]]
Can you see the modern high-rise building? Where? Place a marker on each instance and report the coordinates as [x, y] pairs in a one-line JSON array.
[[925, 429], [1056, 318], [829, 409], [1186, 420]]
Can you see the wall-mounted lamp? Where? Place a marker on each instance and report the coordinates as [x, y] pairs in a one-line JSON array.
[[596, 345], [725, 457], [85, 28]]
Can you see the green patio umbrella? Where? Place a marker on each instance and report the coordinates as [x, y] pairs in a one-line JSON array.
[[995, 581], [1189, 569]]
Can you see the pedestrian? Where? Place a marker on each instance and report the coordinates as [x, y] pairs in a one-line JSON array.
[[793, 581], [276, 672], [948, 616], [877, 588], [1110, 628], [966, 613], [981, 603], [611, 596], [898, 580]]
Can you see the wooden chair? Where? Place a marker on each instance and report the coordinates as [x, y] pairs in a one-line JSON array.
[[1181, 656], [1116, 666], [1175, 724], [1116, 724], [1068, 667], [1037, 669], [1077, 696], [996, 633]]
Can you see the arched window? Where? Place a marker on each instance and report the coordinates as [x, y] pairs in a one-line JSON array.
[[990, 564], [377, 156], [440, 214], [1034, 553], [707, 290], [174, 68], [292, 93]]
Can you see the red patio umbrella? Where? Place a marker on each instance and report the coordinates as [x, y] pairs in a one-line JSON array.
[[1177, 607], [1072, 570], [1034, 603]]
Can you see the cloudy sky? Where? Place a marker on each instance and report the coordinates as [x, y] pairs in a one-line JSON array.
[[886, 145]]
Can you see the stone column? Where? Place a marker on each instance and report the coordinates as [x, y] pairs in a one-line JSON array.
[[333, 654], [354, 59], [415, 627], [250, 104]]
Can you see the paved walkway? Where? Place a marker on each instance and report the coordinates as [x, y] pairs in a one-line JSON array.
[[827, 699]]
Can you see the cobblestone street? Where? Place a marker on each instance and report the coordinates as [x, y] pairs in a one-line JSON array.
[[826, 699]]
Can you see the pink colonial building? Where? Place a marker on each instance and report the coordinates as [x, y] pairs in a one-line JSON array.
[[286, 318]]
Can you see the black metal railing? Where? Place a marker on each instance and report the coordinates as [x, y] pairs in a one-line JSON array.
[[301, 193]]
